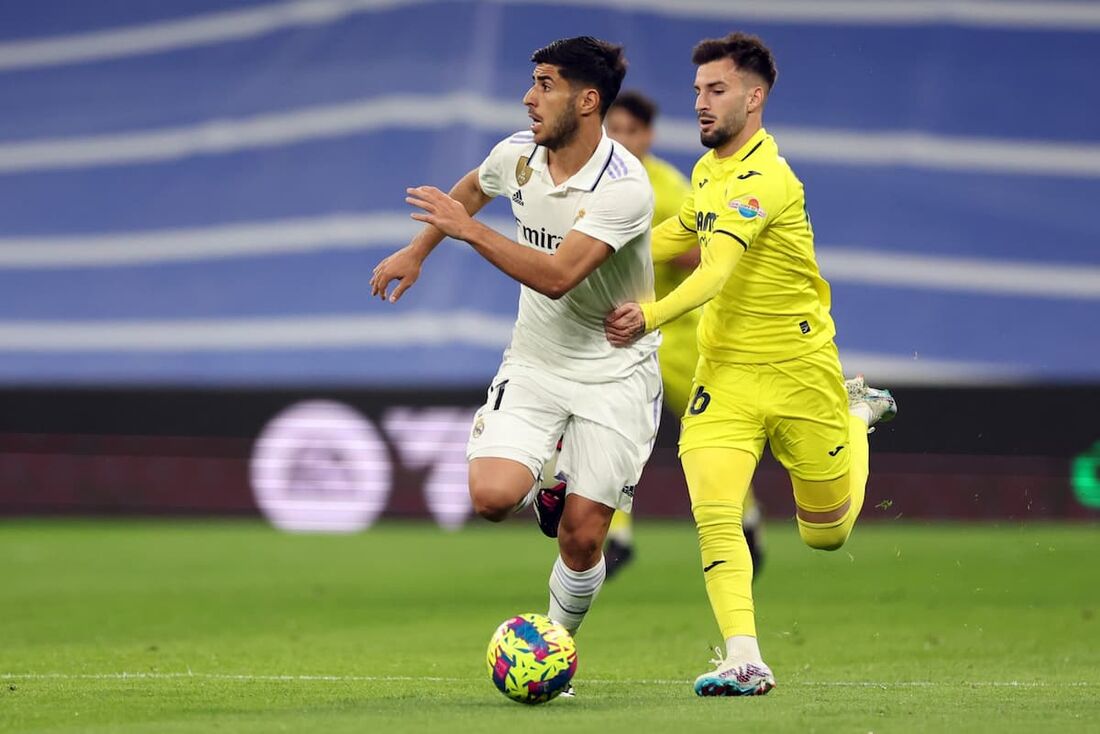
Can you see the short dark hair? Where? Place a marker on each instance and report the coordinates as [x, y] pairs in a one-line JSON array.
[[746, 51], [587, 60], [637, 105]]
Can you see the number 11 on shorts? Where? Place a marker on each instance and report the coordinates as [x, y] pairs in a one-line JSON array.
[[500, 394]]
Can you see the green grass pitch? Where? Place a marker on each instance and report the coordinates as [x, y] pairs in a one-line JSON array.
[[229, 626]]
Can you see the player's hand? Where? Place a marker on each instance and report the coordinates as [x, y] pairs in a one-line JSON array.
[[624, 325], [402, 266], [439, 210]]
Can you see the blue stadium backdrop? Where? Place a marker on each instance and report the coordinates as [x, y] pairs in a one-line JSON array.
[[194, 194]]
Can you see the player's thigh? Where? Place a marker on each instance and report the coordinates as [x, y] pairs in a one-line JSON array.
[[497, 483], [523, 416], [718, 475], [722, 411], [807, 415]]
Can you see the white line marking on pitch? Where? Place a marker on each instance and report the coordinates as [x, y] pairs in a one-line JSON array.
[[594, 681]]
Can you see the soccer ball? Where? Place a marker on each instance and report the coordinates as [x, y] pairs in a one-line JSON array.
[[531, 658]]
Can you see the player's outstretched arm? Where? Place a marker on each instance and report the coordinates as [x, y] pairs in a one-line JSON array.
[[552, 276], [629, 321], [404, 265], [671, 240]]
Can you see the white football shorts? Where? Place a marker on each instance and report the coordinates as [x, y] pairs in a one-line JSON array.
[[607, 429]]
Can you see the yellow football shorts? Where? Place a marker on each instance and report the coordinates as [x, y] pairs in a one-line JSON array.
[[798, 406]]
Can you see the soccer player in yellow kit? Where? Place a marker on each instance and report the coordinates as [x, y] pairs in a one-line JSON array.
[[630, 121], [769, 370]]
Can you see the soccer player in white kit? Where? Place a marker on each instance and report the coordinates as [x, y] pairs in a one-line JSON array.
[[583, 207]]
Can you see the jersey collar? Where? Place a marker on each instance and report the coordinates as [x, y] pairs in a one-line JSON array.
[[591, 172], [752, 146]]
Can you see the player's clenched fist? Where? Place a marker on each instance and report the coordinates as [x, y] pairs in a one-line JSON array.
[[402, 266], [624, 325]]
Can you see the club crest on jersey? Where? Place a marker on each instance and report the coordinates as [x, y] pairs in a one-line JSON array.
[[479, 427], [749, 208], [523, 171]]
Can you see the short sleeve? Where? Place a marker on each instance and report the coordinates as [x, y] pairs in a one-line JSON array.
[[491, 172], [618, 213], [751, 204]]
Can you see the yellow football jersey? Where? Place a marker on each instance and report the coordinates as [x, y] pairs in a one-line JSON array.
[[775, 305]]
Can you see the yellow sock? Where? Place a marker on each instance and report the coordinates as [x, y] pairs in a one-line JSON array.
[[830, 495], [717, 481], [621, 528]]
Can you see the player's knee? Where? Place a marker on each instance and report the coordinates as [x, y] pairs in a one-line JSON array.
[[580, 547], [719, 527], [717, 515], [492, 502], [827, 539], [824, 528], [490, 511]]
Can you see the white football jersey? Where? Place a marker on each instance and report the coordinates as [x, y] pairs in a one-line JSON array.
[[609, 199]]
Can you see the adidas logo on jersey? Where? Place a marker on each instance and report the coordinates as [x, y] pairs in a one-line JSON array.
[[518, 197]]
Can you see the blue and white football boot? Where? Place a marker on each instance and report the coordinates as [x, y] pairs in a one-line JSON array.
[[880, 404], [734, 678]]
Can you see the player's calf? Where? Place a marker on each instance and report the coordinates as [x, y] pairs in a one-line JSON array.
[[824, 530], [826, 510], [580, 549], [582, 531], [824, 538]]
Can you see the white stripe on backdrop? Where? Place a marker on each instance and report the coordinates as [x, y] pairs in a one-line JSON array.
[[234, 25], [399, 330], [306, 333], [388, 230], [422, 112], [241, 239]]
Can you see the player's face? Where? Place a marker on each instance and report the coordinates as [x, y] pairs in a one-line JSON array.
[[552, 107], [630, 131], [721, 102]]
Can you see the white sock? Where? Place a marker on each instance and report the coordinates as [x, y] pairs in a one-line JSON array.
[[862, 411], [743, 649], [572, 592], [528, 498], [549, 469]]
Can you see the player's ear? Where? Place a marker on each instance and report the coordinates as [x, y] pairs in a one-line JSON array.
[[588, 102], [756, 98]]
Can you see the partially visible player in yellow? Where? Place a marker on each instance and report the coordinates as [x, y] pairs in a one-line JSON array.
[[630, 121], [768, 370]]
